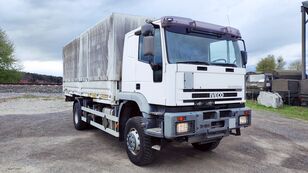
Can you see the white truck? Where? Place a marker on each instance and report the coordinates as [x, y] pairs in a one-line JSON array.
[[148, 82]]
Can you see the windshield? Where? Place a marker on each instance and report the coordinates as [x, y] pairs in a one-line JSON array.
[[256, 78], [202, 49]]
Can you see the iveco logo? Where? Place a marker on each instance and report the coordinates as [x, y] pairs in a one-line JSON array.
[[217, 95]]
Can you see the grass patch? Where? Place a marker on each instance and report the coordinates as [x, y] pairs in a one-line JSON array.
[[295, 112]]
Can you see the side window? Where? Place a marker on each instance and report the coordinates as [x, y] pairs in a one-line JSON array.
[[157, 44]]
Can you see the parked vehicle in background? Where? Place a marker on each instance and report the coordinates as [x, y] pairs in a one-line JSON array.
[[288, 89], [147, 83], [284, 82], [256, 82], [287, 84], [287, 74]]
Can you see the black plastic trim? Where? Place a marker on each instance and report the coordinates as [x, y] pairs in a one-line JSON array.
[[200, 68], [229, 69], [210, 90], [211, 100]]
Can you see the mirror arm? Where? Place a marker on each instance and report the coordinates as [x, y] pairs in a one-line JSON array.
[[151, 62], [154, 66], [147, 30], [138, 32]]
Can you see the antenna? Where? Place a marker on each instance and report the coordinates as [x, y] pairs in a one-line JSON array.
[[228, 19]]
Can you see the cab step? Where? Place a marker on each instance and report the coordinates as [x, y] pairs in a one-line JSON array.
[[155, 132]]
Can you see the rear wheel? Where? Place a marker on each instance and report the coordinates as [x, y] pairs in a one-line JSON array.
[[78, 123], [138, 144], [206, 147]]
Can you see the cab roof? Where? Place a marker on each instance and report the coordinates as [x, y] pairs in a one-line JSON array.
[[198, 26]]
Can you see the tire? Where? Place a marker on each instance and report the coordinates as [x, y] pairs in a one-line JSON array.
[[206, 147], [141, 153], [78, 123]]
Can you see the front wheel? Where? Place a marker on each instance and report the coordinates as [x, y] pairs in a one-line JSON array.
[[206, 147], [138, 144]]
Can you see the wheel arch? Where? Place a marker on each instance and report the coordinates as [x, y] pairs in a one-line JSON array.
[[138, 98], [132, 104], [77, 100]]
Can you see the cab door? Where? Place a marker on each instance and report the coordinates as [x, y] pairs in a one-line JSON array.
[[149, 72]]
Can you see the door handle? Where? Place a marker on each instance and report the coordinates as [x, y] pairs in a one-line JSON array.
[[138, 86]]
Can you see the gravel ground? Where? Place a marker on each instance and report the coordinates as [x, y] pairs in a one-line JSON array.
[[30, 88], [23, 94], [37, 141], [33, 103]]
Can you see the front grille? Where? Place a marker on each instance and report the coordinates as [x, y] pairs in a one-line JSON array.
[[207, 95]]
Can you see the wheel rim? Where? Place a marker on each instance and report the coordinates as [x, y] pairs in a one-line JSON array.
[[76, 119], [133, 141]]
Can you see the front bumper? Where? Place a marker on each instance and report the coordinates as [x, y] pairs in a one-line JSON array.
[[206, 124]]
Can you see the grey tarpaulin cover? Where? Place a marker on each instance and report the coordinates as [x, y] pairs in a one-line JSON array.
[[97, 53]]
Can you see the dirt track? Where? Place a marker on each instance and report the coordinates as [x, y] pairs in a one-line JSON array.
[[48, 142]]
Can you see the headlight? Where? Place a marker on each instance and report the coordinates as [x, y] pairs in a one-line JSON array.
[[243, 120], [182, 127]]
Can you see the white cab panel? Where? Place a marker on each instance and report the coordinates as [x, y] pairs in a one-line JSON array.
[[129, 62], [135, 72]]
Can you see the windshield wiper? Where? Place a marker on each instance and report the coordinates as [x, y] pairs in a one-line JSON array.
[[193, 62], [225, 64]]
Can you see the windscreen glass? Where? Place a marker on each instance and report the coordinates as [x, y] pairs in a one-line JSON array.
[[202, 49]]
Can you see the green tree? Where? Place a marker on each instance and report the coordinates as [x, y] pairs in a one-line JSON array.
[[280, 63], [296, 65], [9, 68], [267, 64]]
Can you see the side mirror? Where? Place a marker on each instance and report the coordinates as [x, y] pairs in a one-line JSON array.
[[244, 57], [147, 30], [148, 46]]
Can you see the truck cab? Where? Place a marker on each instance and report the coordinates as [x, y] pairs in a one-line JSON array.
[[192, 74]]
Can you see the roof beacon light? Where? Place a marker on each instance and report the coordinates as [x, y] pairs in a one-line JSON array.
[[169, 19]]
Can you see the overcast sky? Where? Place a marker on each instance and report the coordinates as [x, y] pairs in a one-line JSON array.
[[40, 28]]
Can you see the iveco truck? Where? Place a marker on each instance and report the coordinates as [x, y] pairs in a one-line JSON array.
[[148, 82]]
